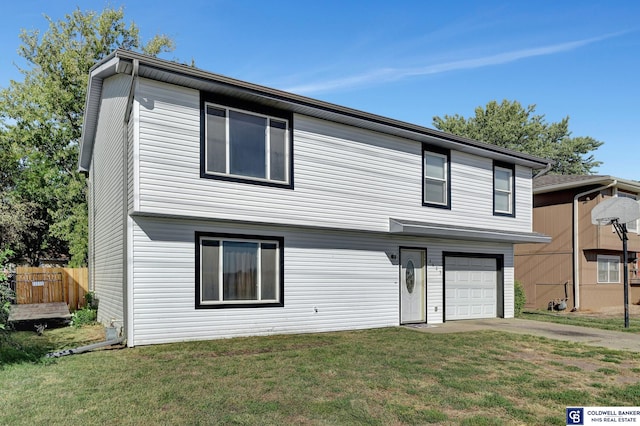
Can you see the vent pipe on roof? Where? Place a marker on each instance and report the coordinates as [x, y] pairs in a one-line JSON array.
[[575, 248]]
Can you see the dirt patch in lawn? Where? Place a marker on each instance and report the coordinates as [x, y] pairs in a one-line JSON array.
[[570, 366]]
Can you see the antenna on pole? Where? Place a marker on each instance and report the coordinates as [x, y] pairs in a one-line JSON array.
[[618, 212]]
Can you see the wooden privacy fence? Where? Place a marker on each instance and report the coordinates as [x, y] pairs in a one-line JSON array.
[[49, 285]]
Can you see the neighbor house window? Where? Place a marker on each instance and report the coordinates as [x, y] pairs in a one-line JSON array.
[[239, 271], [503, 190], [436, 177], [608, 269], [245, 145], [633, 225]]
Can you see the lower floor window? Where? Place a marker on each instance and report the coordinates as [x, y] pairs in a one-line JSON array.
[[239, 270], [608, 269]]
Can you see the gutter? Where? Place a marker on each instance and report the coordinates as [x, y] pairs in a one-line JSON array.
[[576, 257]]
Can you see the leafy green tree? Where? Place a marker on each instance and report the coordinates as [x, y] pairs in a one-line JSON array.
[[510, 125], [20, 226], [7, 296], [41, 123]]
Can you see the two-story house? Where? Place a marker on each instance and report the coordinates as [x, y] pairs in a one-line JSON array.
[[584, 262], [221, 208]]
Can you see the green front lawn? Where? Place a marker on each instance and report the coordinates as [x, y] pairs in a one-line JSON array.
[[384, 376], [615, 323]]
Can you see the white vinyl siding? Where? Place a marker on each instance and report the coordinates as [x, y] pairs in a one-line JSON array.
[[131, 132], [344, 177], [109, 201], [333, 281], [608, 269]]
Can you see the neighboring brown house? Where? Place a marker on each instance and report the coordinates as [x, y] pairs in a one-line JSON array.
[[585, 259]]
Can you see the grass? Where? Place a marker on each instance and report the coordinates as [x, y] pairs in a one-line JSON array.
[[584, 320], [383, 376]]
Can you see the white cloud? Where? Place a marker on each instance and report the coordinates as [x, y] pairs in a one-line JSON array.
[[393, 74]]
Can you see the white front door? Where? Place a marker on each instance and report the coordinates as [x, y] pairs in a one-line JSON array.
[[471, 288], [412, 286]]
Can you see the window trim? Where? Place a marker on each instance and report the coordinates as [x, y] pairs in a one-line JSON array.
[[440, 152], [229, 103], [200, 236], [511, 168], [608, 258]]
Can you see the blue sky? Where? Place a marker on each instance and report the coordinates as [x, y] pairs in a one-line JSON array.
[[409, 60]]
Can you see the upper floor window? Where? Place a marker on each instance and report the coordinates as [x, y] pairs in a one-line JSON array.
[[245, 145], [238, 271], [608, 269], [503, 190], [436, 188], [633, 225]]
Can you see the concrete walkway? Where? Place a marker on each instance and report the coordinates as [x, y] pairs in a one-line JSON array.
[[589, 336]]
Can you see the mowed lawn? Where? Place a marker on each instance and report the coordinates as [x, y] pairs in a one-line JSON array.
[[383, 376]]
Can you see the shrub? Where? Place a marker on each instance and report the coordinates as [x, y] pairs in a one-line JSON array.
[[7, 296], [520, 299], [83, 316], [90, 300]]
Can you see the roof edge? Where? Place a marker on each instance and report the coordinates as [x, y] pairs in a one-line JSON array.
[[408, 227], [597, 180], [102, 70]]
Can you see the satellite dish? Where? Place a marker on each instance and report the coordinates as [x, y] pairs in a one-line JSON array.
[[624, 210]]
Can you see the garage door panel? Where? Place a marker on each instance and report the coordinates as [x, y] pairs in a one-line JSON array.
[[470, 288]]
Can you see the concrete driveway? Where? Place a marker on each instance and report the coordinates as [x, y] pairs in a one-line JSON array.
[[571, 333]]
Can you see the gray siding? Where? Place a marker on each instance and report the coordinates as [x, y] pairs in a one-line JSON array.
[[109, 200], [344, 177], [348, 277]]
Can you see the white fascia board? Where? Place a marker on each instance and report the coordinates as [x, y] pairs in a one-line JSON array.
[[97, 75]]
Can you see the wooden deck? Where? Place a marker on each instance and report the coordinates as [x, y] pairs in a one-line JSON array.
[[39, 311]]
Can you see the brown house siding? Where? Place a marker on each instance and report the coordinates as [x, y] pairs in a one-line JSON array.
[[545, 268]]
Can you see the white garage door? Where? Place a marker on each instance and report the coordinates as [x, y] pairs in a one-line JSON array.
[[471, 288]]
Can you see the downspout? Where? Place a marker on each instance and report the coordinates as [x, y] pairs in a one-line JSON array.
[[576, 257], [126, 318], [544, 171]]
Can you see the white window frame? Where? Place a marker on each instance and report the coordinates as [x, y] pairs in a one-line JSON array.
[[277, 301], [287, 161], [609, 260], [509, 192], [634, 225], [444, 180]]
